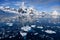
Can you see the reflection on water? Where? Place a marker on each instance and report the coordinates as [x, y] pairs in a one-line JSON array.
[[41, 29]]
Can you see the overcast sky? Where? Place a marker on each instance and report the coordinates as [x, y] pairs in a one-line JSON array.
[[41, 5]]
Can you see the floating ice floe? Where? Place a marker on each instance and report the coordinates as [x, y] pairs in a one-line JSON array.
[[0, 37], [48, 26], [40, 27], [13, 36], [6, 36], [42, 36], [42, 30], [10, 36], [35, 33], [9, 24], [50, 31], [33, 26], [26, 28], [54, 22], [23, 33], [58, 27]]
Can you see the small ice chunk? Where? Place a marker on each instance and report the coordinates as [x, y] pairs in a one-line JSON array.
[[37, 21], [9, 24], [42, 36], [58, 27], [54, 22], [23, 33], [0, 32], [3, 33], [42, 30], [40, 27], [35, 33], [10, 36], [26, 28], [50, 31], [13, 36], [33, 26], [0, 37], [6, 35], [48, 26]]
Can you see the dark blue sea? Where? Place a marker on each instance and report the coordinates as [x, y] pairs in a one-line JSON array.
[[42, 29]]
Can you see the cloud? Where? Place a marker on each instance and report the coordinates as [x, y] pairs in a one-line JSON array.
[[5, 4], [33, 2], [38, 4], [41, 1], [10, 3], [17, 3], [55, 7]]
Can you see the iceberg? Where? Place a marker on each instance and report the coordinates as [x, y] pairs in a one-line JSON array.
[[50, 31]]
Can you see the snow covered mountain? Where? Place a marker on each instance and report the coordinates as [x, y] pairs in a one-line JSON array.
[[25, 13], [55, 14]]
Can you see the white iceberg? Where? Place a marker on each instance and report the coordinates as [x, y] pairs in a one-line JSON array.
[[23, 33], [9, 24], [35, 33], [40, 27], [33, 26], [50, 31], [26, 28]]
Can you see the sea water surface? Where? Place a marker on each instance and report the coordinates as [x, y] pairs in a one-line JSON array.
[[41, 29]]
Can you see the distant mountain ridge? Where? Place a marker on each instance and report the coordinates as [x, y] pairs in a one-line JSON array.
[[26, 13]]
